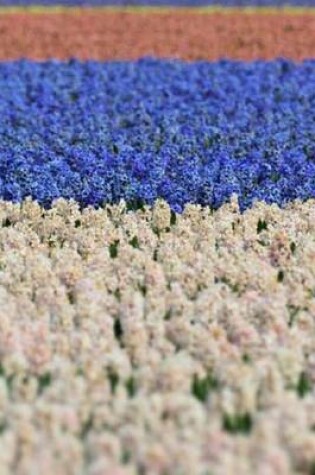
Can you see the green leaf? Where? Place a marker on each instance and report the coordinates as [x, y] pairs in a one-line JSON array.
[[237, 423], [131, 386], [261, 226], [304, 385], [114, 380], [201, 387], [118, 330], [44, 380], [134, 242], [173, 218], [113, 249], [280, 276]]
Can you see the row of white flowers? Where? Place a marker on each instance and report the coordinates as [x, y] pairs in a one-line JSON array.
[[144, 342]]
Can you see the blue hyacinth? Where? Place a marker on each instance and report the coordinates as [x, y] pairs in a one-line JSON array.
[[184, 132]]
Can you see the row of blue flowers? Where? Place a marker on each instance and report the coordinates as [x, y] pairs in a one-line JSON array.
[[185, 132]]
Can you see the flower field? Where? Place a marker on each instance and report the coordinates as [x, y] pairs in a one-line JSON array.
[[157, 237]]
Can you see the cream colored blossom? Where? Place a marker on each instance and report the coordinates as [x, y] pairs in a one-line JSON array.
[[144, 342]]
